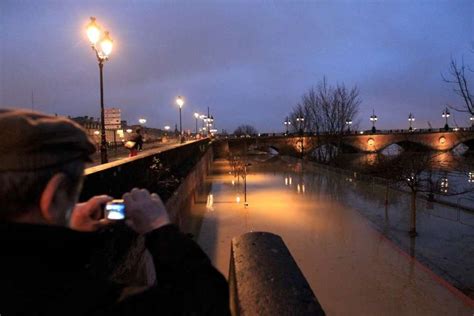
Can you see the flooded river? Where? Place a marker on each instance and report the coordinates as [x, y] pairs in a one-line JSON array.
[[352, 247]]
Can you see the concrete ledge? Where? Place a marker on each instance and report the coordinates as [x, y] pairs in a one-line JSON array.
[[264, 279]]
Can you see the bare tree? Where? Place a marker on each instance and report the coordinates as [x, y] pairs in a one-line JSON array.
[[244, 130], [326, 109], [458, 78], [418, 173]]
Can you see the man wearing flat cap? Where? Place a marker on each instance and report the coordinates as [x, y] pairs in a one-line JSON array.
[[47, 239]]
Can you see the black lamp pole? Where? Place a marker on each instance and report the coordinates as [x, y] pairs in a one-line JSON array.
[[103, 140]]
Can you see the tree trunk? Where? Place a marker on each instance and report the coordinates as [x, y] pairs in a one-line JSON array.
[[412, 231]]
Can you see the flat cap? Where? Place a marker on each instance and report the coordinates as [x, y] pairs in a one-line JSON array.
[[32, 140]]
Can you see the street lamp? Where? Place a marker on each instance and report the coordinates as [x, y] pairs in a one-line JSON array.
[[373, 119], [102, 46], [472, 121], [287, 124], [348, 123], [167, 128], [180, 103], [210, 120], [445, 115], [142, 121], [411, 119], [300, 121], [196, 116]]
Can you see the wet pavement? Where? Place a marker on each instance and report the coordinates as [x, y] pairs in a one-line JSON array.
[[333, 226]]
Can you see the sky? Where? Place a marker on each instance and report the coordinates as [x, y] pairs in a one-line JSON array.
[[249, 61]]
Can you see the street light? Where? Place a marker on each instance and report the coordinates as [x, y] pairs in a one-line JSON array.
[[209, 121], [300, 121], [196, 116], [445, 115], [287, 124], [472, 121], [180, 103], [102, 46], [373, 119], [411, 119], [142, 121], [348, 123], [167, 128]]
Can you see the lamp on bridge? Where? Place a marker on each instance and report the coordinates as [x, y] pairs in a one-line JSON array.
[[373, 119], [142, 121], [180, 103], [472, 121], [348, 123], [287, 124], [300, 120], [445, 115], [411, 119], [102, 46], [196, 116]]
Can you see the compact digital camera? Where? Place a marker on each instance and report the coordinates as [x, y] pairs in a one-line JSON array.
[[115, 210]]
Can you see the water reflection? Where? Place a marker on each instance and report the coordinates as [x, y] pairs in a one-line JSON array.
[[210, 202], [317, 212]]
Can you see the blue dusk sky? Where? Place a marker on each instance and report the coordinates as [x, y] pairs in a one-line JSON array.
[[249, 61]]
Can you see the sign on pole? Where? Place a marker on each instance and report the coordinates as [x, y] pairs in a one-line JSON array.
[[113, 117]]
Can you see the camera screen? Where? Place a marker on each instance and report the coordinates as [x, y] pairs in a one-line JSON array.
[[115, 211]]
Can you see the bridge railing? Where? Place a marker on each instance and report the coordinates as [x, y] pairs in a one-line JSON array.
[[361, 132]]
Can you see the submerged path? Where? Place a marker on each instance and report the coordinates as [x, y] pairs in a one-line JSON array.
[[351, 267]]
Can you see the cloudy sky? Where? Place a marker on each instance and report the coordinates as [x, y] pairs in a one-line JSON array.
[[249, 61]]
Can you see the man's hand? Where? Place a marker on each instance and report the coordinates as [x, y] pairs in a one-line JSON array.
[[145, 211], [86, 216]]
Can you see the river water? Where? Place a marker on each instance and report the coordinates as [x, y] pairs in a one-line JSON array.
[[352, 247]]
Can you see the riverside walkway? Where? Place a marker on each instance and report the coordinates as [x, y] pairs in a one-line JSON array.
[[352, 268]]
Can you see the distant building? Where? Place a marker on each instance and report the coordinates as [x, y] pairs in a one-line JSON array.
[[88, 122]]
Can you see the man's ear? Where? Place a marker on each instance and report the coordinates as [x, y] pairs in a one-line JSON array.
[[49, 198]]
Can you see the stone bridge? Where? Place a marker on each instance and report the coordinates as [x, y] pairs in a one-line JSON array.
[[367, 143]]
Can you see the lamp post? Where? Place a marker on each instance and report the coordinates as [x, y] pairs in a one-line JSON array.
[[472, 121], [102, 46], [287, 124], [210, 122], [180, 103], [300, 121], [373, 119], [411, 119], [142, 121], [203, 118], [196, 116], [167, 128], [445, 115], [348, 123]]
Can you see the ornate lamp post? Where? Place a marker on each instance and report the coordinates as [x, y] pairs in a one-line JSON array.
[[373, 119], [180, 103], [210, 122], [411, 119], [445, 115], [204, 119], [348, 123], [196, 116], [300, 120], [287, 124], [102, 46]]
